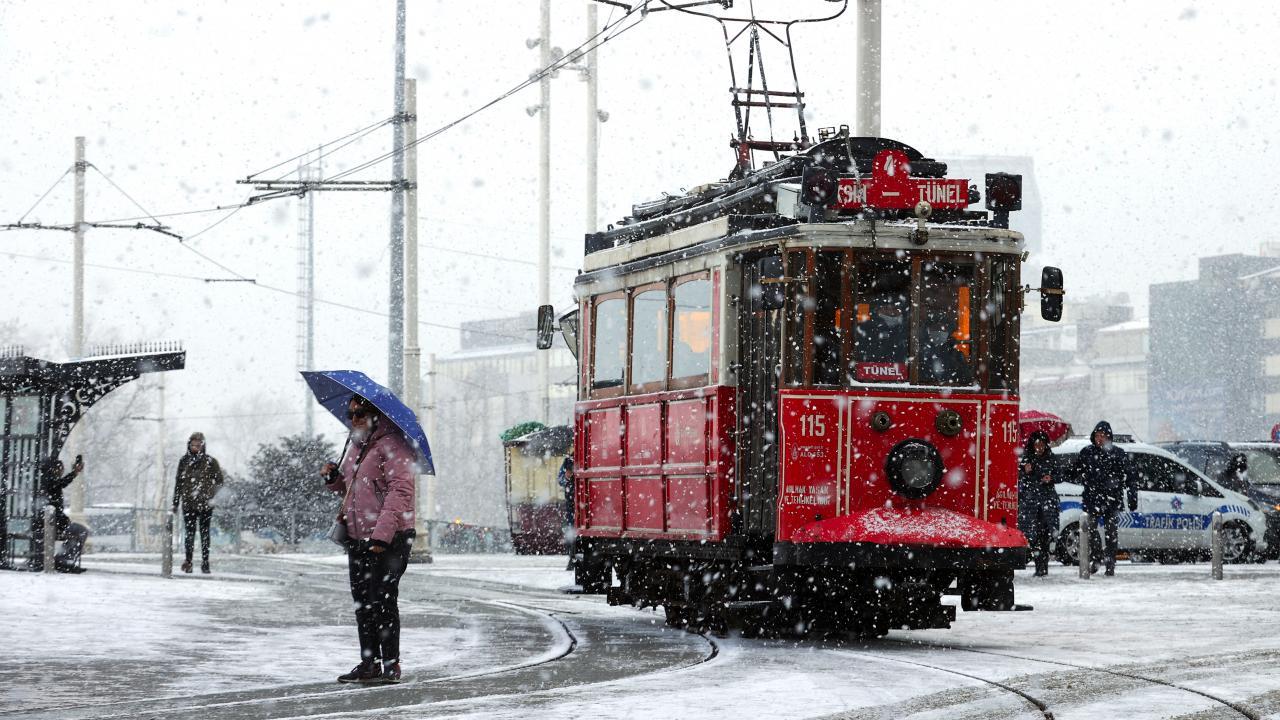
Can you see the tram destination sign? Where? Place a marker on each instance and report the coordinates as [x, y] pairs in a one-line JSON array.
[[891, 187]]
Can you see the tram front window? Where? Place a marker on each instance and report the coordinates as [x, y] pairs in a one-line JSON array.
[[946, 354], [883, 321]]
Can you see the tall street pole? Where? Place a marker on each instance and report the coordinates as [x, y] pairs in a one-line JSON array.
[[544, 197], [77, 308], [77, 292], [593, 121], [412, 353], [395, 329], [867, 118]]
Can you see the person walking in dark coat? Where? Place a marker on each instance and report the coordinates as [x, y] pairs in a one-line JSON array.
[[1038, 499], [199, 478], [73, 535], [1106, 477]]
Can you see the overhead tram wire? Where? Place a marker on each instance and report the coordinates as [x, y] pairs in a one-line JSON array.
[[590, 45], [367, 129]]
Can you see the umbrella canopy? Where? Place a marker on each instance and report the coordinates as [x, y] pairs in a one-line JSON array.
[[335, 388], [1030, 421]]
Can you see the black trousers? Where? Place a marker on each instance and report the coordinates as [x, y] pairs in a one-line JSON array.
[[73, 536], [375, 587], [191, 519], [1110, 537], [1042, 524]]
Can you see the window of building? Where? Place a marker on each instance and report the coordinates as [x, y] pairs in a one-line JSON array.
[[1272, 365], [26, 415], [649, 338], [1271, 328], [1273, 403], [610, 348], [691, 328]]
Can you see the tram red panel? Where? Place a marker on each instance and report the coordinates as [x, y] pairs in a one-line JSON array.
[[604, 438], [644, 505], [689, 503], [644, 434], [1001, 487], [811, 432], [604, 504], [687, 431]]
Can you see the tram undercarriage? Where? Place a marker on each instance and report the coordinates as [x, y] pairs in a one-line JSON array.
[[704, 593]]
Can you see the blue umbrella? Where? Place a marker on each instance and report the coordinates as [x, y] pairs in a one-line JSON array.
[[335, 388]]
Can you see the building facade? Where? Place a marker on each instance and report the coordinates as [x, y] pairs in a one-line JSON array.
[[489, 385], [1215, 351]]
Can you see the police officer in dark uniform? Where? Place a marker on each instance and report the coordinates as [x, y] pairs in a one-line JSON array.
[[1106, 477]]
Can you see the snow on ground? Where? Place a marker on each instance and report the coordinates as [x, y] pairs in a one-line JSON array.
[[240, 629]]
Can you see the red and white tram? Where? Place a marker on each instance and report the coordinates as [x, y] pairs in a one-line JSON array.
[[798, 396]]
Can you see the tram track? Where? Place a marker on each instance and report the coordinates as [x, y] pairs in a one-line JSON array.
[[316, 699], [1041, 704]]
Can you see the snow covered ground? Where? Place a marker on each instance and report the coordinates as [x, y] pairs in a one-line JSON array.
[[120, 632]]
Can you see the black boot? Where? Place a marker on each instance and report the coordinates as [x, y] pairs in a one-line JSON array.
[[367, 671]]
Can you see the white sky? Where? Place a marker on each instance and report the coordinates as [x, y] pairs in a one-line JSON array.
[[1148, 123]]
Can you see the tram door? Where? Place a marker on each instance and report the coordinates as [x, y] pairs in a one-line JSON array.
[[760, 359]]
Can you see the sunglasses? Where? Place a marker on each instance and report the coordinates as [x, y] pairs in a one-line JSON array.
[[358, 414]]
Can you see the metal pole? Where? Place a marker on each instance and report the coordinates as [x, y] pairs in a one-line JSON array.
[[868, 112], [412, 352], [395, 332], [544, 197], [77, 291], [1085, 553], [166, 553], [77, 311], [429, 504], [50, 531], [593, 121], [1215, 531]]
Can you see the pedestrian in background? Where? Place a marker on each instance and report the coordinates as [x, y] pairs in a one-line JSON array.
[[198, 480], [73, 535], [1106, 478], [1038, 498], [376, 479]]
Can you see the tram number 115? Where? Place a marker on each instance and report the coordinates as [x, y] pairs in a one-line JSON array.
[[813, 426]]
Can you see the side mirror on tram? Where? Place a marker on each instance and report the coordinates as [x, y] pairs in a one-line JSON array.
[[1051, 293], [546, 326]]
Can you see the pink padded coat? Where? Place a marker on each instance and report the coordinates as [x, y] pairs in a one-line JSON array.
[[381, 501]]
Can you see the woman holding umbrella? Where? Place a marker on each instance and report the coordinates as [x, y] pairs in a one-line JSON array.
[[376, 479]]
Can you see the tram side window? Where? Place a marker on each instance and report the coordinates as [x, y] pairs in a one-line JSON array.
[[691, 329], [883, 317], [1000, 315], [610, 350], [946, 356], [649, 337], [800, 305], [828, 323]]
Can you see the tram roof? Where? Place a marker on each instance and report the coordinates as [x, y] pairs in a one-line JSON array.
[[862, 186]]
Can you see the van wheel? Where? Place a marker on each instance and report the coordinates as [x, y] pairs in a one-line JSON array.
[[1068, 548], [1237, 546]]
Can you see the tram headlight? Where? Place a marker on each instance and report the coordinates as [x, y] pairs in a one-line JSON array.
[[914, 468]]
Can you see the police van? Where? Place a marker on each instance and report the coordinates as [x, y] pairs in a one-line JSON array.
[[1175, 507]]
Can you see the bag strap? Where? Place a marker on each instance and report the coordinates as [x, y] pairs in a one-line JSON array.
[[354, 469]]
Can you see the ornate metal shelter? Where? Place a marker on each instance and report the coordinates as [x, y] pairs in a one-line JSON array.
[[40, 403]]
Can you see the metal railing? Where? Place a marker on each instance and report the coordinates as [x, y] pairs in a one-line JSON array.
[[242, 532]]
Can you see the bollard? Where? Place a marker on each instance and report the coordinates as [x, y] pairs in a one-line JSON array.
[[50, 531], [1215, 539], [236, 527], [166, 554], [1085, 553]]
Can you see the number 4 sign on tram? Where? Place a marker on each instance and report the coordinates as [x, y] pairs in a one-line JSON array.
[[891, 187]]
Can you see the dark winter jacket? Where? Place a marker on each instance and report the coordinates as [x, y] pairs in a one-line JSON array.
[[1106, 476], [199, 477], [1032, 490], [52, 486]]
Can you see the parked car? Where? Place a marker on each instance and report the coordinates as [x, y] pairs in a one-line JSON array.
[[1213, 458], [1176, 503]]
